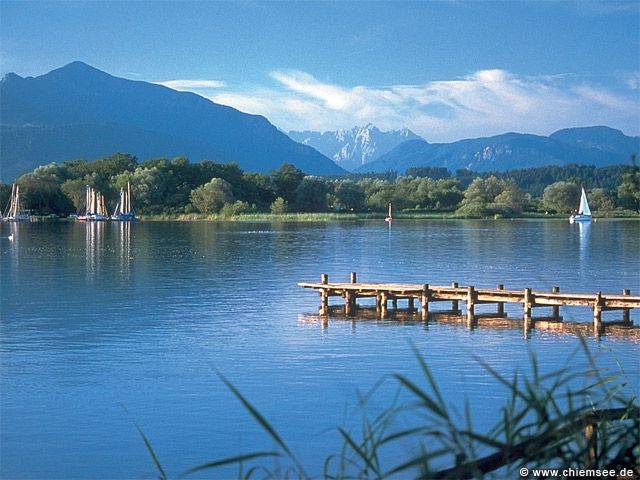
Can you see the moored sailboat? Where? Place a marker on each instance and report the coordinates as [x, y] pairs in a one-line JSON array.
[[96, 210], [584, 212], [124, 211], [389, 215], [14, 212]]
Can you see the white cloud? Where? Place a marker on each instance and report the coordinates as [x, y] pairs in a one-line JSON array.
[[486, 102], [192, 84]]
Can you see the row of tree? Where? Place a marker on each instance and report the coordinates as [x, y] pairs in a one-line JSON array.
[[163, 186]]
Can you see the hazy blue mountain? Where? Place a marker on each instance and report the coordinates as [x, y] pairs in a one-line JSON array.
[[600, 138], [512, 150], [354, 147], [79, 111]]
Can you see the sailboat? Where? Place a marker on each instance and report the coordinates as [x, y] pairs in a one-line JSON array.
[[124, 210], [584, 212], [14, 212], [96, 209], [389, 216]]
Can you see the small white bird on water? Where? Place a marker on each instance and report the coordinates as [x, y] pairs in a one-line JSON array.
[[10, 237]]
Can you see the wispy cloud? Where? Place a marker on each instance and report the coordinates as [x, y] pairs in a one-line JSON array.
[[485, 102], [192, 84]]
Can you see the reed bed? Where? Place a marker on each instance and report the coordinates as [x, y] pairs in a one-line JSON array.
[[569, 418]]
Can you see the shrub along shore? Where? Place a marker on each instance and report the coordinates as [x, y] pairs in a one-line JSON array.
[[176, 189]]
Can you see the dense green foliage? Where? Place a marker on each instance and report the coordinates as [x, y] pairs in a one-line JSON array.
[[173, 187]]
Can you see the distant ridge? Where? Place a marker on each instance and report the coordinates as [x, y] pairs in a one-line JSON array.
[[354, 147], [78, 111], [599, 146]]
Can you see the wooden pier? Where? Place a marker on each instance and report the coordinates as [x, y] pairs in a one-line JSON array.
[[425, 295]]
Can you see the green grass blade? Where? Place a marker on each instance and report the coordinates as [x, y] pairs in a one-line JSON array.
[[229, 461], [263, 422], [156, 461]]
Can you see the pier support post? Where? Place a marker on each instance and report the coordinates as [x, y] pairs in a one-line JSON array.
[[383, 304], [555, 311], [348, 303], [625, 312], [597, 314], [411, 304], [353, 277], [378, 302], [394, 304], [500, 304], [324, 295], [353, 296], [424, 301], [471, 304], [454, 303], [527, 303]]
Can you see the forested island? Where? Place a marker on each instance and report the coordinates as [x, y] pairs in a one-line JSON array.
[[177, 188]]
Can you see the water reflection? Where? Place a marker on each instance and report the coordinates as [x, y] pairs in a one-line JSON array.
[[125, 256], [94, 248]]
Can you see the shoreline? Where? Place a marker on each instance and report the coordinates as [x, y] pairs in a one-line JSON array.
[[331, 217]]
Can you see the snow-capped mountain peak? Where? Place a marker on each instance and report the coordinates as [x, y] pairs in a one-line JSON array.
[[352, 148]]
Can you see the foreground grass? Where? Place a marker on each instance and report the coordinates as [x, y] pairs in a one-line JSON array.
[[330, 217], [569, 418]]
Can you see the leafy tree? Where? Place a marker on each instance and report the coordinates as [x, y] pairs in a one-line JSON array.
[[75, 190], [311, 195], [511, 201], [629, 189], [5, 195], [561, 197], [210, 197], [43, 196], [279, 206], [349, 196], [235, 208], [286, 180], [600, 201]]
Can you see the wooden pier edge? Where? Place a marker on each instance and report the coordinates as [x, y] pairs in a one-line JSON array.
[[472, 296]]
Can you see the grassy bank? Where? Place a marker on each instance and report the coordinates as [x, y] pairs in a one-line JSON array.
[[329, 217]]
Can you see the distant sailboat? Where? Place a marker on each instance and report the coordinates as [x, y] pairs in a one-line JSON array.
[[96, 209], [389, 216], [14, 212], [584, 212], [124, 211]]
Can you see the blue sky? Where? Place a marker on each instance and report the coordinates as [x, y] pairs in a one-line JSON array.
[[447, 70]]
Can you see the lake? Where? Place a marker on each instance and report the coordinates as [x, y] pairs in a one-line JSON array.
[[109, 326]]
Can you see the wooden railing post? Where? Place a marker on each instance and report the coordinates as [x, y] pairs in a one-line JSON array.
[[555, 311], [625, 311], [454, 303], [500, 304]]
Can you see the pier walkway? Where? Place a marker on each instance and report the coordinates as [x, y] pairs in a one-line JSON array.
[[425, 295]]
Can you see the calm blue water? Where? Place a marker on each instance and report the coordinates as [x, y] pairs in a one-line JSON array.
[[107, 326]]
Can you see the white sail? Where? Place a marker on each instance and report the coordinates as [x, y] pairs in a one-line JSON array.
[[584, 205]]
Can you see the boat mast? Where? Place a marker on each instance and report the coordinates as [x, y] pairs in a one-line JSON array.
[[11, 200], [16, 204], [129, 209]]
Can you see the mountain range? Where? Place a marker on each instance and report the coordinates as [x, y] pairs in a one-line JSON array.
[[597, 145], [354, 147], [78, 111]]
